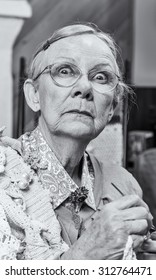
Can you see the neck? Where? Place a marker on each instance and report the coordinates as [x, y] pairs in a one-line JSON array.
[[69, 151]]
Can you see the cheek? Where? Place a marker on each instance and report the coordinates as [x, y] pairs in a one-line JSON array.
[[49, 98], [52, 102], [103, 105]]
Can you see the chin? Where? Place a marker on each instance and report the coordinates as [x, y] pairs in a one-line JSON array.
[[79, 130]]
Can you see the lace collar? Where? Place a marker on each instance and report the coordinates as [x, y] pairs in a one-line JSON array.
[[50, 171]]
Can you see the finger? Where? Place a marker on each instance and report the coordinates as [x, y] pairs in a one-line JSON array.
[[153, 235], [146, 256], [13, 143], [149, 246], [137, 213], [136, 226], [128, 201], [137, 241], [113, 254]]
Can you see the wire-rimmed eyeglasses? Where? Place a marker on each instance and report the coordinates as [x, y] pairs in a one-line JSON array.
[[67, 74]]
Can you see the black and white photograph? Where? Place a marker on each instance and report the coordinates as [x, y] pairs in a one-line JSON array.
[[78, 130]]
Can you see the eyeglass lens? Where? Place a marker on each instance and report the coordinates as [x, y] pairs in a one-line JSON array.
[[66, 75]]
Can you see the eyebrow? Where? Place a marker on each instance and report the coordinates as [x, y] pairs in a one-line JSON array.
[[67, 58], [99, 63]]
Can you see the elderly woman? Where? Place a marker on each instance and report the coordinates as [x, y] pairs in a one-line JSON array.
[[58, 201]]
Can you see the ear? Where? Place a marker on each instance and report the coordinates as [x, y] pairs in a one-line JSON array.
[[31, 95]]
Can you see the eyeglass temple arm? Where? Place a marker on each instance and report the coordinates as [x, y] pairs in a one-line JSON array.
[[34, 79]]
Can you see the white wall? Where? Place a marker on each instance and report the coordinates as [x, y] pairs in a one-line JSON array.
[[144, 47], [12, 14]]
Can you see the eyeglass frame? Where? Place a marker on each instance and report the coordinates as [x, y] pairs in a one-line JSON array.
[[81, 74]]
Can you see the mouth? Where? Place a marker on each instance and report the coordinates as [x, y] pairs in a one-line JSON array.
[[85, 113]]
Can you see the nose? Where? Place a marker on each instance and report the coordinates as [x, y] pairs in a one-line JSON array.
[[83, 89]]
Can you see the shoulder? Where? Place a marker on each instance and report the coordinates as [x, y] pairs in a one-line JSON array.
[[13, 168], [113, 173]]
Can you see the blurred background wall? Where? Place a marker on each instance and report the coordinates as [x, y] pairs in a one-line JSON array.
[[12, 17]]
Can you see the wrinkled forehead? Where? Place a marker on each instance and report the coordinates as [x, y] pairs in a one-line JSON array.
[[83, 50]]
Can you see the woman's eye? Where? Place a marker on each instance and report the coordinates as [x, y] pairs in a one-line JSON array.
[[101, 77], [65, 71]]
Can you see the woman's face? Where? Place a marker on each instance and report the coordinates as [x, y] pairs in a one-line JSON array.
[[78, 111]]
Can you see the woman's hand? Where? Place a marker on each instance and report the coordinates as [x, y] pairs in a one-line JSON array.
[[107, 235], [148, 249]]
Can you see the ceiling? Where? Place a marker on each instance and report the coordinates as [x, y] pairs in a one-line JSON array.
[[110, 15]]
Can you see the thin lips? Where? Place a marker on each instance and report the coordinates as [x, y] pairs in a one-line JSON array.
[[87, 113]]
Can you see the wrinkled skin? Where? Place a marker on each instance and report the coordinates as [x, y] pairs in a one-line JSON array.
[[148, 249], [107, 236]]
